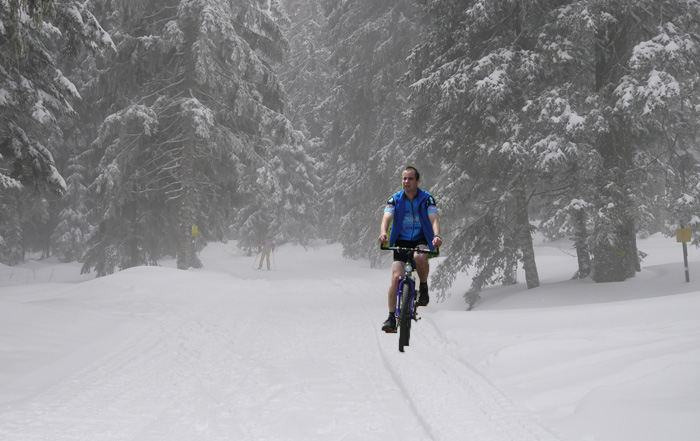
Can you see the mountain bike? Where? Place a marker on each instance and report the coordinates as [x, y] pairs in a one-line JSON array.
[[407, 301]]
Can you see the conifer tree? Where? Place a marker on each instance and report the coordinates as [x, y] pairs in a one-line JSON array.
[[305, 72], [636, 98], [473, 75], [34, 96], [198, 119], [71, 233], [365, 148], [569, 103]]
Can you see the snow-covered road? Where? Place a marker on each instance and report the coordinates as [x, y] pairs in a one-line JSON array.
[[231, 353]]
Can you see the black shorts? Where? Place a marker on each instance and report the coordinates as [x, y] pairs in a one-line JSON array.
[[400, 255]]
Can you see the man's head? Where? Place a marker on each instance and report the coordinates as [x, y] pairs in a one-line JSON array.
[[410, 178], [415, 171]]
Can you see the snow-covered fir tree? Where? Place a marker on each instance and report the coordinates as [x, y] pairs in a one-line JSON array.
[[195, 132], [305, 72], [637, 98], [34, 96], [561, 109], [473, 75], [658, 98], [307, 77], [70, 235], [365, 147]]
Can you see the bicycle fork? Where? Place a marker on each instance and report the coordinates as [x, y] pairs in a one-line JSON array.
[[412, 303]]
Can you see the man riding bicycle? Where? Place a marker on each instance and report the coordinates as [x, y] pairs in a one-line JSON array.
[[415, 223]]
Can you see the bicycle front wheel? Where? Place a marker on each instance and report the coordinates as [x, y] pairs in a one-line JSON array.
[[405, 316]]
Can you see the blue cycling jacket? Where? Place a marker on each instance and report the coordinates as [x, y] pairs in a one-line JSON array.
[[411, 221]]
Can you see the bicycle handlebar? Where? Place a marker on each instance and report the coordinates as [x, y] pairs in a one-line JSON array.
[[415, 250]]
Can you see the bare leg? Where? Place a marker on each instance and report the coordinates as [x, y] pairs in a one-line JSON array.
[[396, 272], [423, 267]]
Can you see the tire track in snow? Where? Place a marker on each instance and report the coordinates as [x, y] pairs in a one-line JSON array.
[[318, 369], [452, 400], [402, 429]]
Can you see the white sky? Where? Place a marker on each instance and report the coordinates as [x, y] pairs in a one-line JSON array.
[[233, 353]]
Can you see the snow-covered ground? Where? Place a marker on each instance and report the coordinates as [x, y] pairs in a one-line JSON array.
[[232, 353]]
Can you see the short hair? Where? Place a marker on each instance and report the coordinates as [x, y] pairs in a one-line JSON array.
[[415, 170]]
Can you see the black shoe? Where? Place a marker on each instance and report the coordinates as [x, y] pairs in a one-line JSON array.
[[390, 324], [423, 297]]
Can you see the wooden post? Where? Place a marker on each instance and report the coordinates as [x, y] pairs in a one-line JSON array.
[[684, 235]]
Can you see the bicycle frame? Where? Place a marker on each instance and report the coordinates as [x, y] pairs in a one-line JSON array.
[[408, 277], [406, 307]]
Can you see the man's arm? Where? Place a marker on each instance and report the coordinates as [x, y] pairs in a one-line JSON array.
[[386, 221], [435, 220]]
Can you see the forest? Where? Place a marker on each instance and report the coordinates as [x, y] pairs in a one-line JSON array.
[[133, 130]]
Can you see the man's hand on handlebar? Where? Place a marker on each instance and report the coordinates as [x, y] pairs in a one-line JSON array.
[[437, 240], [410, 250]]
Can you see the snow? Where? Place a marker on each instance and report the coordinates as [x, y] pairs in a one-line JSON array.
[[296, 353], [576, 121], [5, 96], [67, 84], [41, 114], [493, 80]]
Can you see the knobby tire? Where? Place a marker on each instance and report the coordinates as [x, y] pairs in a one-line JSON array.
[[405, 316]]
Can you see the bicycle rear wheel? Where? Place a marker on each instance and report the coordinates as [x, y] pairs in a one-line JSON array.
[[405, 316]]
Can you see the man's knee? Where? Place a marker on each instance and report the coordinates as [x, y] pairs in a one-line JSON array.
[[396, 273]]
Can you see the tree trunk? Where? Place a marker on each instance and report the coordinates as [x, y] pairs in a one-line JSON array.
[[134, 233], [608, 263], [582, 253], [525, 240], [510, 244], [628, 238], [614, 227], [187, 251], [615, 248]]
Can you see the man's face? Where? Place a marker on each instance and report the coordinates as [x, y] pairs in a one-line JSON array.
[[408, 178]]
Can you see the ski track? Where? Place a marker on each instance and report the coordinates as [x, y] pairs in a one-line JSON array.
[[450, 399], [134, 389], [209, 373]]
